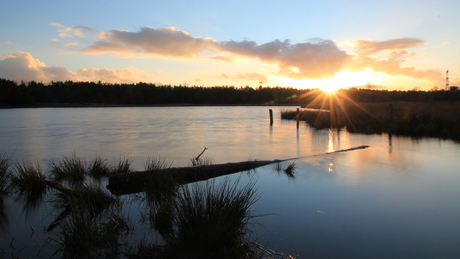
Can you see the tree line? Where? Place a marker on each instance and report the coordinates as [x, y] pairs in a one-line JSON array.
[[69, 93]]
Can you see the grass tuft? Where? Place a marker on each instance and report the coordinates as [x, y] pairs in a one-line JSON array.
[[99, 168], [85, 235], [72, 169], [156, 163], [29, 182], [202, 161], [124, 165], [290, 170], [210, 221], [4, 175]]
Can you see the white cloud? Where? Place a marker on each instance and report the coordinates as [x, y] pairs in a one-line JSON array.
[[150, 41], [22, 66], [315, 59]]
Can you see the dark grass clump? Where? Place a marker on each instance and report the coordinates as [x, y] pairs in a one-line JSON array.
[[4, 191], [85, 235], [124, 165], [72, 169], [194, 161], [160, 190], [93, 226], [156, 163], [415, 119], [29, 181], [99, 168], [4, 175], [210, 221], [88, 197], [290, 170], [202, 161]]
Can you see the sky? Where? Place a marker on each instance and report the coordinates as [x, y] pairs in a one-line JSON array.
[[329, 44]]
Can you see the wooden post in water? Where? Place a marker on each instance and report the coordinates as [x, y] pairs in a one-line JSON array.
[[298, 116], [271, 117]]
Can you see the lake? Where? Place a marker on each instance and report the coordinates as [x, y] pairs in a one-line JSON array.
[[399, 198]]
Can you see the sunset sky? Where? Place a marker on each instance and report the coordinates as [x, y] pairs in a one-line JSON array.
[[304, 44]]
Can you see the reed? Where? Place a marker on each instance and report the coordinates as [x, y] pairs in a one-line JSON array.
[[202, 161], [160, 190], [124, 165], [85, 235], [4, 175], [156, 163], [290, 170], [99, 168], [90, 224], [72, 169], [29, 183], [429, 119], [211, 221], [88, 197], [29, 180]]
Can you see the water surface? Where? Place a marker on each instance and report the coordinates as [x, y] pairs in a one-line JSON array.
[[396, 199]]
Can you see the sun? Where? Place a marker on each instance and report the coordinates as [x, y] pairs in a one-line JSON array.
[[329, 89], [343, 79]]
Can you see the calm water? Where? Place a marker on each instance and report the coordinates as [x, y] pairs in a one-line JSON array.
[[387, 201]]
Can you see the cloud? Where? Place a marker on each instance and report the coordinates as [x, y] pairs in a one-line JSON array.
[[368, 47], [78, 31], [22, 66], [387, 57], [310, 60], [150, 41], [315, 59], [245, 76]]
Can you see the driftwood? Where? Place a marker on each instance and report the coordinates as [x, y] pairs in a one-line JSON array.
[[135, 182]]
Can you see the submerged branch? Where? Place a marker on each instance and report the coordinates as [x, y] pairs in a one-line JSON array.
[[135, 182]]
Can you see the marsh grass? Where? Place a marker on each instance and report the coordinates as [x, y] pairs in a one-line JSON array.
[[90, 224], [99, 168], [160, 190], [290, 170], [72, 169], [202, 161], [4, 175], [87, 197], [124, 165], [211, 221], [86, 235], [416, 119], [29, 182]]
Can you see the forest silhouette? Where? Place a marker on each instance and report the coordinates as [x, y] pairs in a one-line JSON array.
[[70, 94]]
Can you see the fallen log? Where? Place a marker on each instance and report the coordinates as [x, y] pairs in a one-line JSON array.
[[128, 183]]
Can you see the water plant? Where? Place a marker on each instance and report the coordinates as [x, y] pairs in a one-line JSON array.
[[202, 161], [124, 165], [88, 197], [211, 221], [29, 182], [194, 161], [416, 119], [290, 170], [156, 163], [72, 169], [4, 175], [99, 168], [83, 234]]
